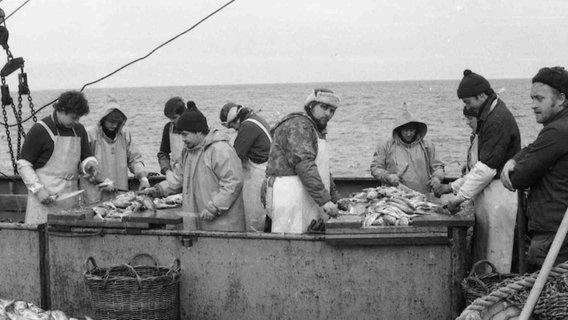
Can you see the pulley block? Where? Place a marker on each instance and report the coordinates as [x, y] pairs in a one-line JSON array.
[[4, 35], [11, 66], [6, 98], [23, 88]]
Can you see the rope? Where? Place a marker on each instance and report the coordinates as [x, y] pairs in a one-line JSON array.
[[473, 311], [134, 61], [18, 8]]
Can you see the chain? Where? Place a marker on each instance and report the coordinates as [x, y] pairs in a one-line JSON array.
[[32, 108], [8, 138]]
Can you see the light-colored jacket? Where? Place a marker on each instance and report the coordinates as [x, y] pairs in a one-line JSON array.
[[211, 172], [415, 162]]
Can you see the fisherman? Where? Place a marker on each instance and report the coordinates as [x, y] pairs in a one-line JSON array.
[[407, 158], [55, 150], [172, 142], [210, 177], [543, 166], [252, 145], [470, 115], [117, 154], [498, 141], [300, 188]]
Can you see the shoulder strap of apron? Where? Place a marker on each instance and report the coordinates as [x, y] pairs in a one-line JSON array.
[[261, 126], [47, 129]]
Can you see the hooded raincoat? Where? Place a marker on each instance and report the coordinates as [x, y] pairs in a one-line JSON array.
[[116, 157], [211, 173], [414, 162]]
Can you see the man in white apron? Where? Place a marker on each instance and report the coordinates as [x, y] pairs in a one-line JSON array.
[[172, 143], [54, 151], [116, 153], [498, 140], [252, 145], [299, 184]]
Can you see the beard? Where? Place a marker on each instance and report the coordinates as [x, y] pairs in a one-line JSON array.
[[320, 123]]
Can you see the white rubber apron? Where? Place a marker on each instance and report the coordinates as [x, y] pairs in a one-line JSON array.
[[113, 164], [495, 217], [292, 206], [253, 174], [176, 148], [59, 175]]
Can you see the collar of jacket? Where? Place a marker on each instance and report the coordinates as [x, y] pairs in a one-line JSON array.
[[486, 107], [561, 114]]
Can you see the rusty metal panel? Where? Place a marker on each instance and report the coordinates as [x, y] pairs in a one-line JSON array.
[[229, 277], [20, 255]]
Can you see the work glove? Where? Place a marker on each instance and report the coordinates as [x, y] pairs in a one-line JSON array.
[[153, 192], [453, 204], [44, 197], [434, 182], [209, 213], [393, 179], [144, 184], [107, 185], [330, 210], [442, 189]]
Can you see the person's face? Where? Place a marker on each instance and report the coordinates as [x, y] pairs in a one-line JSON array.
[[546, 103], [322, 113], [408, 132], [471, 122], [174, 118], [111, 125], [236, 124], [474, 102], [191, 139], [68, 120]]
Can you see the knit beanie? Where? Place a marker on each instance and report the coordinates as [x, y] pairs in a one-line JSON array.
[[174, 106], [323, 96], [229, 112], [472, 84], [192, 120], [556, 77]]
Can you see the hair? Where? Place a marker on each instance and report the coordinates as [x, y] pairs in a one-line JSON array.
[[243, 113], [557, 93], [489, 92], [174, 106], [72, 102]]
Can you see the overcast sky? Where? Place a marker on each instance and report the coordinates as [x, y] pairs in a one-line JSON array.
[[67, 43]]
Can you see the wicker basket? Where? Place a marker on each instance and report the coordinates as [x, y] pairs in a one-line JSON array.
[[477, 285], [126, 292]]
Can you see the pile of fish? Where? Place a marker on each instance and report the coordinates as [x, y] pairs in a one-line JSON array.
[[21, 310], [387, 206], [131, 203]]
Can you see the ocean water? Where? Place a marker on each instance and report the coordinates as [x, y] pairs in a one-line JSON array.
[[365, 117]]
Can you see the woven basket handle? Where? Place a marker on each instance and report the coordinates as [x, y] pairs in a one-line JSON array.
[[477, 281], [93, 263], [479, 263], [143, 255], [129, 267]]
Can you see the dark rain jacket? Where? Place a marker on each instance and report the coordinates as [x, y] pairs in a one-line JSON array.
[[543, 167], [499, 138], [293, 152]]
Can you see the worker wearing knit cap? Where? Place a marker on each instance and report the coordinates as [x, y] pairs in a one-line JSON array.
[[252, 145], [210, 177], [542, 166], [300, 191], [172, 142], [498, 140]]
